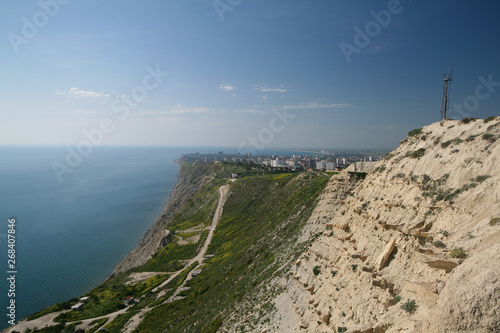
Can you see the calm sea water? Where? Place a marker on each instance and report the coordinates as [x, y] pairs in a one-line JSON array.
[[71, 234]]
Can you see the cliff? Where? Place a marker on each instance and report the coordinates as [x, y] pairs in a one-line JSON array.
[[431, 209], [407, 244], [190, 181]]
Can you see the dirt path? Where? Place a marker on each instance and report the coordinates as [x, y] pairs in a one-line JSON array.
[[136, 320], [223, 194], [132, 324]]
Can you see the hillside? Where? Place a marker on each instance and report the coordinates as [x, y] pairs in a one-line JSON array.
[[437, 197], [407, 244], [217, 240]]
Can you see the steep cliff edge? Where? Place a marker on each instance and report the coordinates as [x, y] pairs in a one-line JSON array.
[[189, 182], [431, 209]]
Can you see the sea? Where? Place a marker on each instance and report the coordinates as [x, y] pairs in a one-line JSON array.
[[72, 230]]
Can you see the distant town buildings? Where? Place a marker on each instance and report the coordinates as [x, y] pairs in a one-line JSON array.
[[318, 162]]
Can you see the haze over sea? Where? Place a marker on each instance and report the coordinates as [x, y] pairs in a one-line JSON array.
[[71, 234]]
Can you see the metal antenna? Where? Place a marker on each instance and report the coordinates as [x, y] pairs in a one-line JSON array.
[[447, 77]]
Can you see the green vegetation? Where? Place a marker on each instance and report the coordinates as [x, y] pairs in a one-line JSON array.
[[341, 329], [168, 258], [354, 267], [444, 233], [261, 221], [436, 188], [471, 138], [414, 132], [96, 324], [446, 144], [396, 299], [467, 120], [458, 253], [388, 156], [60, 328], [480, 179], [417, 153], [439, 243], [408, 306], [117, 324], [54, 308], [109, 296], [489, 137], [316, 270], [494, 221], [333, 273], [490, 118]]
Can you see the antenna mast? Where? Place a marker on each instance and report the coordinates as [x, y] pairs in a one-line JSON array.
[[447, 77]]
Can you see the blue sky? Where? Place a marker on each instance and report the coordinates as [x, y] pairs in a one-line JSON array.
[[233, 65]]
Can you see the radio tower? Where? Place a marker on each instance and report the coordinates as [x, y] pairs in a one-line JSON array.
[[447, 77]]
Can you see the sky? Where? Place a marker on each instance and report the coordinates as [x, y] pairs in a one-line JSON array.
[[240, 73]]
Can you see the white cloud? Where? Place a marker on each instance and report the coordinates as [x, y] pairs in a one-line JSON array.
[[251, 110], [266, 89], [315, 105], [226, 87], [79, 93], [81, 112], [178, 109]]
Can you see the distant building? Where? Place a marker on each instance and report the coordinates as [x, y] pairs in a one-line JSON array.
[[221, 153], [277, 163], [321, 165], [311, 163], [331, 166], [129, 300]]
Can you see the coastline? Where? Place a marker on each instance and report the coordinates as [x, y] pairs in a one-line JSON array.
[[146, 238], [187, 183]]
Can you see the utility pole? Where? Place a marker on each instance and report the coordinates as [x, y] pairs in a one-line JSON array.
[[447, 77]]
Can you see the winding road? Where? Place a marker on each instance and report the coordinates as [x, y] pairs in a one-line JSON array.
[[132, 324]]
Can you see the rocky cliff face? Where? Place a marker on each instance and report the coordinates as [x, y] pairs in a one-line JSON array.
[[157, 236], [436, 198]]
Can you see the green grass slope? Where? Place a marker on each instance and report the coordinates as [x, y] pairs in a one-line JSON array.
[[257, 232]]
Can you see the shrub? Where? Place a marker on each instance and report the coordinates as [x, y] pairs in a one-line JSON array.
[[490, 118], [446, 144], [396, 299], [438, 244], [414, 132], [489, 137], [495, 221], [467, 120], [333, 273], [417, 153], [341, 329], [458, 253], [316, 270], [388, 156], [471, 138], [481, 178], [408, 306], [354, 267], [444, 233]]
